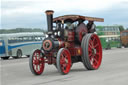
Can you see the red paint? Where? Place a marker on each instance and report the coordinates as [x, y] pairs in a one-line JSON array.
[[38, 62], [61, 43], [71, 35], [65, 61], [95, 51], [76, 51], [44, 45]]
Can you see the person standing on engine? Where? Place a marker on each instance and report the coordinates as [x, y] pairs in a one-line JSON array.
[[91, 27]]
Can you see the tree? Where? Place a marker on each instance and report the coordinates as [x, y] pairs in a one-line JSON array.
[[121, 28]]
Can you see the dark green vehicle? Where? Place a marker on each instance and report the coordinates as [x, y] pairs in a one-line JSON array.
[[109, 36]]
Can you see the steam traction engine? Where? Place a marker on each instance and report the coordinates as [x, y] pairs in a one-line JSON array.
[[68, 42]]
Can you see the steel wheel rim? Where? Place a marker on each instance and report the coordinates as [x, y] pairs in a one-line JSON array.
[[38, 62], [65, 61], [94, 51]]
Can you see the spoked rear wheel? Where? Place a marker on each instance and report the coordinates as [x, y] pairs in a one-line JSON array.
[[63, 61], [92, 51], [36, 62]]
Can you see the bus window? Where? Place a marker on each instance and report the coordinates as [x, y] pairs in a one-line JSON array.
[[105, 29], [24, 38], [11, 40], [37, 38], [113, 29], [29, 38], [21, 39], [42, 38]]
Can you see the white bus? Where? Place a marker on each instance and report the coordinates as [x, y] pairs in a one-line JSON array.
[[19, 44]]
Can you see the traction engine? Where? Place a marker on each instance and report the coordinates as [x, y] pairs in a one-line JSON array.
[[69, 41]]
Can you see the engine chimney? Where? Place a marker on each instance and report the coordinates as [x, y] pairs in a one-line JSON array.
[[49, 14]]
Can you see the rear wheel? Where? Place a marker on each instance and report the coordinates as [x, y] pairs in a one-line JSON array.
[[63, 61], [92, 51], [36, 62]]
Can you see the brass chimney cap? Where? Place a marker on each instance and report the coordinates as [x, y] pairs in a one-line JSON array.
[[49, 12]]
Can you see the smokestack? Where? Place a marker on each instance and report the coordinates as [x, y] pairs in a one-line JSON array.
[[49, 14]]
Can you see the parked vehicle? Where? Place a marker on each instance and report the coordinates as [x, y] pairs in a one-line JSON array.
[[109, 36], [124, 38], [18, 44], [67, 44]]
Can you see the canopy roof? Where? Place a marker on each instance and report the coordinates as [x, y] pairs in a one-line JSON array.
[[73, 18]]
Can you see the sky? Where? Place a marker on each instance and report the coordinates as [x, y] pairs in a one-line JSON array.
[[31, 13]]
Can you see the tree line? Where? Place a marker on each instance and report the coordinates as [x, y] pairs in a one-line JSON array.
[[18, 30]]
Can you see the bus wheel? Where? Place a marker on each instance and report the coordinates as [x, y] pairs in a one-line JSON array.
[[5, 58], [36, 62], [18, 54], [92, 51]]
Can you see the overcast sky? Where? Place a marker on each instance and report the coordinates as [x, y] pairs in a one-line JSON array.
[[30, 13]]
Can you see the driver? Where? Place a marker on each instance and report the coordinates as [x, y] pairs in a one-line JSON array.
[[91, 27]]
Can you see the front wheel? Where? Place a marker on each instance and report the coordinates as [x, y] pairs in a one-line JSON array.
[[18, 54], [63, 61], [36, 62], [92, 51]]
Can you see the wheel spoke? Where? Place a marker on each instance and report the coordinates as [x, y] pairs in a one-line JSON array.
[[36, 67], [97, 54], [94, 39], [34, 62], [62, 56], [62, 62], [95, 60], [91, 41], [62, 67], [90, 54], [36, 57], [89, 49], [62, 59], [90, 45], [91, 61], [96, 45]]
